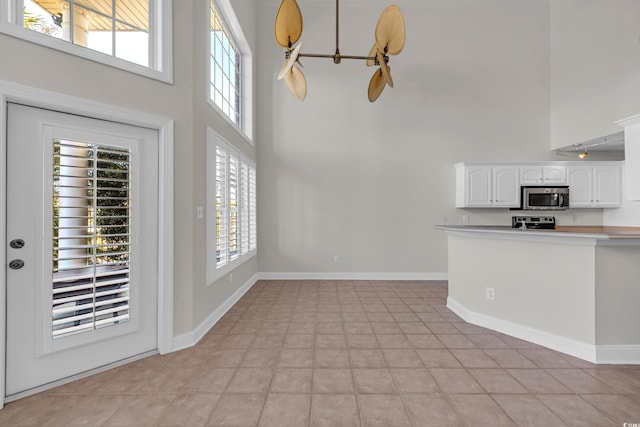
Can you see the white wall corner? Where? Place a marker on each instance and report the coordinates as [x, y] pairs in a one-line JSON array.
[[191, 338]]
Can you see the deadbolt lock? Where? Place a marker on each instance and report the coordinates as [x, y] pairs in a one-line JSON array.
[[17, 243], [16, 264]]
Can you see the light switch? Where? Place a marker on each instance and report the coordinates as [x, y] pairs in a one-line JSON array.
[[199, 212]]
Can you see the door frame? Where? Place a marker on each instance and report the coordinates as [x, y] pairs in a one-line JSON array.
[[11, 92]]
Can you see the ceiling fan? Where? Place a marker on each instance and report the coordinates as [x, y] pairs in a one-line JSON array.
[[389, 40]]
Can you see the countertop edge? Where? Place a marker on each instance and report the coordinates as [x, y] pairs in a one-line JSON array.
[[516, 232]]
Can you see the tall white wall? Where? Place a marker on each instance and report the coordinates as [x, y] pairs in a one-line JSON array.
[[595, 68], [339, 176]]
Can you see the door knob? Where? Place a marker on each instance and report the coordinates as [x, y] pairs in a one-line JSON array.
[[16, 264], [17, 243]]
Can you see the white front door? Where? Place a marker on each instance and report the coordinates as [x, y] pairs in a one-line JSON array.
[[82, 227]]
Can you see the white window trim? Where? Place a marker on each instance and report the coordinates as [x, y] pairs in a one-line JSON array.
[[246, 70], [213, 273], [161, 31]]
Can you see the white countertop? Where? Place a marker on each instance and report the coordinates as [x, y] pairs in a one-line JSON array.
[[629, 234]]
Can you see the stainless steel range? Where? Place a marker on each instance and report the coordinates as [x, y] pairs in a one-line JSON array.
[[533, 222]]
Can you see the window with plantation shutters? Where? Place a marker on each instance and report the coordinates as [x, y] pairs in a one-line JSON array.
[[91, 237], [231, 207]]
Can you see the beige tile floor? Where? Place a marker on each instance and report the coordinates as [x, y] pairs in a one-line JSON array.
[[342, 353]]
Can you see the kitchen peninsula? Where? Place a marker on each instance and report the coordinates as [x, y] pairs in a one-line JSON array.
[[572, 289]]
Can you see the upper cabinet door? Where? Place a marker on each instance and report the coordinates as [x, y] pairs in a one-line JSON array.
[[531, 175], [607, 181], [580, 186], [554, 175], [479, 191], [506, 187]]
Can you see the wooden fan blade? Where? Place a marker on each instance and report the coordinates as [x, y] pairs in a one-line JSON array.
[[288, 27], [372, 53], [376, 85], [385, 69], [296, 83], [288, 65], [390, 31]]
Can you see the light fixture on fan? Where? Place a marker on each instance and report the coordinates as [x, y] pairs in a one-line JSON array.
[[389, 40]]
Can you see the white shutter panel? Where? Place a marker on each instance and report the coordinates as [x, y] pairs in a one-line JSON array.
[[233, 184], [92, 234], [222, 213], [253, 239], [244, 208]]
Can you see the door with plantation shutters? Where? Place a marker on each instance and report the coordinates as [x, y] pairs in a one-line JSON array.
[[82, 218]]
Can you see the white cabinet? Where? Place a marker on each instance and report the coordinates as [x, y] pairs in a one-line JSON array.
[[594, 186], [485, 186], [543, 175], [494, 185]]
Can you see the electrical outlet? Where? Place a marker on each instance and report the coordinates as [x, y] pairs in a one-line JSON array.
[[491, 294], [336, 259], [230, 277], [465, 219]]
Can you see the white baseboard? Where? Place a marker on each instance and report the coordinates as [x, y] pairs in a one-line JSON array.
[[559, 343], [191, 338], [618, 354], [352, 276]]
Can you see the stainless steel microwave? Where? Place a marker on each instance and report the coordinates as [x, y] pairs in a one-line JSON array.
[[545, 198]]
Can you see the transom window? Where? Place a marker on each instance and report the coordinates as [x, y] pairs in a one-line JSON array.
[[131, 33], [225, 67]]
